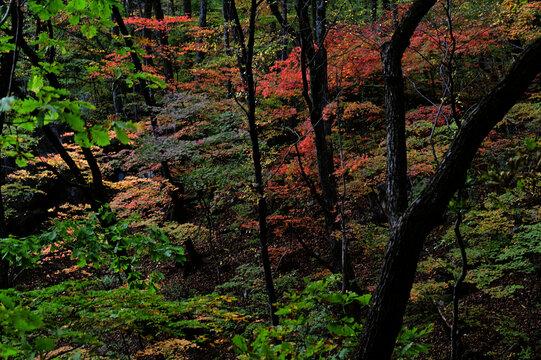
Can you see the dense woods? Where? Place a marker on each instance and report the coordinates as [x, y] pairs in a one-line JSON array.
[[270, 179]]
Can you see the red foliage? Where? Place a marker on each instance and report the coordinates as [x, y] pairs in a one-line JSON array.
[[164, 25]]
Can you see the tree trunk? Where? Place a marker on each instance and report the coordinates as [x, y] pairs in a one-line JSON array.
[[226, 10], [199, 55], [316, 62], [245, 62], [147, 33], [374, 10], [7, 67], [164, 42], [285, 52], [410, 229], [187, 7]]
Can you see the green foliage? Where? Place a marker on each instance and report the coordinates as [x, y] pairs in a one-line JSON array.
[[26, 335], [247, 285], [83, 314], [409, 346], [101, 240], [182, 232], [312, 326], [21, 252]]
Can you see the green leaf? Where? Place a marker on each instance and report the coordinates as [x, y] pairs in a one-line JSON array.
[[35, 84], [79, 4], [21, 161], [6, 351], [75, 356], [44, 344], [89, 31], [26, 321], [530, 143], [75, 122], [99, 136], [241, 345], [81, 139], [122, 136], [7, 301], [340, 330], [74, 20]]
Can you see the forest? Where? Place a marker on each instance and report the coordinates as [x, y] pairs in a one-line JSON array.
[[270, 179]]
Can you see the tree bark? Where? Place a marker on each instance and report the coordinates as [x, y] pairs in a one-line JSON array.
[[164, 42], [245, 63], [407, 235], [7, 68], [392, 52], [147, 33], [374, 10], [316, 62], [200, 55], [226, 10], [187, 7], [145, 90], [285, 52]]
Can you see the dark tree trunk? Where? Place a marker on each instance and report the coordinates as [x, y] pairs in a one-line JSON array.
[[245, 62], [315, 95], [199, 55], [187, 7], [147, 33], [397, 181], [374, 10], [7, 67], [147, 94], [97, 195], [285, 52], [100, 194], [316, 62], [52, 137], [226, 10], [164, 42], [410, 229]]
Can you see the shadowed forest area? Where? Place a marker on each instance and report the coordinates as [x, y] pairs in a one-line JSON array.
[[270, 179]]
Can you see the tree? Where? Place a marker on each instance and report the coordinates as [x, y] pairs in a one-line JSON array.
[[42, 104], [187, 7], [311, 35], [245, 55], [199, 55], [410, 225]]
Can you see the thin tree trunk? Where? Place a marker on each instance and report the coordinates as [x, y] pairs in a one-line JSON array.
[[245, 62], [458, 283], [164, 42], [374, 10], [147, 33], [285, 35], [200, 55], [187, 7], [226, 10], [7, 67], [147, 95], [316, 62]]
